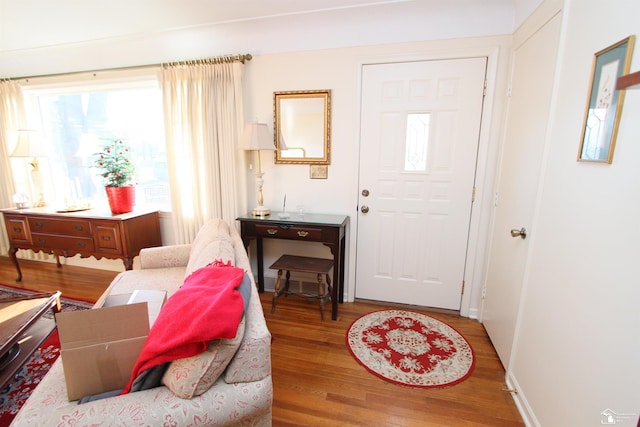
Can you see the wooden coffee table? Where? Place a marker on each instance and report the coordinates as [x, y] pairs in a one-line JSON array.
[[22, 329]]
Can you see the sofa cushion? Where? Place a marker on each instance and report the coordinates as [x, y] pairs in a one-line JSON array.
[[192, 376], [213, 242]]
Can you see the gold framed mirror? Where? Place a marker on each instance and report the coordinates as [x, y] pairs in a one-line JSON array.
[[302, 128]]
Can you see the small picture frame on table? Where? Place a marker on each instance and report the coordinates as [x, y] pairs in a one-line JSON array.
[[604, 102]]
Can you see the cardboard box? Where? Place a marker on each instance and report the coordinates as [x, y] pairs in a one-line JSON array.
[[99, 347]]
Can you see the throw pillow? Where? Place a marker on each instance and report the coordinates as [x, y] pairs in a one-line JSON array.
[[192, 376]]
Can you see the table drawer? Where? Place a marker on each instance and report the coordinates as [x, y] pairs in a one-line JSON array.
[[17, 229], [107, 237], [48, 241], [67, 227], [286, 231]]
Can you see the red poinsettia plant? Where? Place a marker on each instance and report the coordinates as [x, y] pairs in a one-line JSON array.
[[116, 165]]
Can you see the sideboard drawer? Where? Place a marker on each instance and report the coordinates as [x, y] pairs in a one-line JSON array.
[[17, 229], [107, 237], [285, 231], [74, 244], [67, 227]]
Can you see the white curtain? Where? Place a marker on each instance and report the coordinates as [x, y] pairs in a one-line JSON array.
[[12, 118], [203, 113]]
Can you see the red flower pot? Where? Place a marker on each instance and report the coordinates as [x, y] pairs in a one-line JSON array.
[[121, 199]]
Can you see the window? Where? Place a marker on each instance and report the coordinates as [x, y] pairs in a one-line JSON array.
[[417, 142], [77, 119]]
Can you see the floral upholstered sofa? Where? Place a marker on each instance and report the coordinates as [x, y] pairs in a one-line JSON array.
[[191, 393]]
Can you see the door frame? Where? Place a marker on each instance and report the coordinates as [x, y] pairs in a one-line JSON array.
[[486, 163]]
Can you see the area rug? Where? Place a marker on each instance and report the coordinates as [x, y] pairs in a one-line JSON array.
[[16, 392], [410, 349]]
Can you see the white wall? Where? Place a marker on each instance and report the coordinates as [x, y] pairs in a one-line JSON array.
[[577, 347], [523, 9], [339, 70]]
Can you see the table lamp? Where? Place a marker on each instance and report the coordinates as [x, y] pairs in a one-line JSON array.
[[30, 145], [256, 137]]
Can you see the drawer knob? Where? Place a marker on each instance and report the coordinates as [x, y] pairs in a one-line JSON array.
[[42, 241], [17, 230], [78, 227], [106, 238], [38, 224], [303, 233], [81, 244], [272, 231]]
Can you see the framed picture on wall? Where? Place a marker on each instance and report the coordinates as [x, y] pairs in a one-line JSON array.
[[604, 104]]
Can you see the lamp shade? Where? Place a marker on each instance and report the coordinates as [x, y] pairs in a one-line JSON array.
[[28, 144], [256, 137]]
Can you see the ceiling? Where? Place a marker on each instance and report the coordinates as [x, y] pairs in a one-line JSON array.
[[32, 24]]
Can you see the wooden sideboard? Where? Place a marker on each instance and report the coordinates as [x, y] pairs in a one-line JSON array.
[[93, 232], [329, 230]]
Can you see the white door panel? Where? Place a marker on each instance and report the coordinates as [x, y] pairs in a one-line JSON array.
[[527, 117], [412, 241]]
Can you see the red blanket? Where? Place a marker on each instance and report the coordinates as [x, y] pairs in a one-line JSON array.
[[208, 306]]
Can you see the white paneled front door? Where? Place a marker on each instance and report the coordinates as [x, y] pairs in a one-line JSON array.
[[420, 126]]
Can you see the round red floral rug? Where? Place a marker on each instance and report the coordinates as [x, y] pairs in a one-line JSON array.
[[410, 349]]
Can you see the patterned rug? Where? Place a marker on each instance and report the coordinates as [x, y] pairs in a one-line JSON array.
[[16, 392], [410, 349]]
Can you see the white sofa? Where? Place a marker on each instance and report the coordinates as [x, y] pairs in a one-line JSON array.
[[241, 396]]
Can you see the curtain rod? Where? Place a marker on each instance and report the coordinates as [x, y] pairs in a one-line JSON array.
[[212, 60]]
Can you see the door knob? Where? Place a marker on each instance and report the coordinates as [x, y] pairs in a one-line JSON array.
[[364, 209], [522, 233], [365, 193]]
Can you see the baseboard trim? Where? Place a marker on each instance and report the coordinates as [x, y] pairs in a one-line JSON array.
[[473, 313], [520, 399]]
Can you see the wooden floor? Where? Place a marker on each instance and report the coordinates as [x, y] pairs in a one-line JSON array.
[[86, 284], [316, 381]]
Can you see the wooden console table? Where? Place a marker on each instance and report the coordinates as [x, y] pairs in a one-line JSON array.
[[93, 232], [329, 230]]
